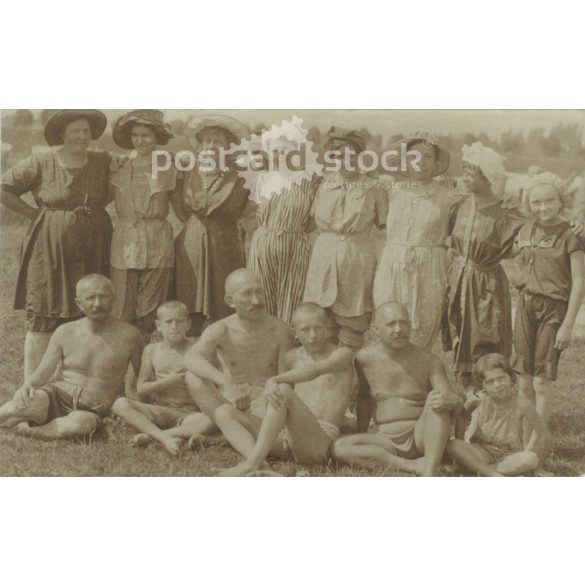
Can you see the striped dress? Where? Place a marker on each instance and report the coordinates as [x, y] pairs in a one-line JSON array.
[[280, 250]]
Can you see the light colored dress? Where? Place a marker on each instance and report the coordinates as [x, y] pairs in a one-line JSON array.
[[279, 252], [343, 262], [414, 263], [143, 252]]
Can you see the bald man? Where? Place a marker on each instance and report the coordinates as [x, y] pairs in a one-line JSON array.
[[234, 357], [406, 390], [82, 371]]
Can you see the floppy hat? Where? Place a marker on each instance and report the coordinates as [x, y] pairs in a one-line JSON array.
[[152, 118], [234, 128], [58, 121], [338, 137], [443, 157]]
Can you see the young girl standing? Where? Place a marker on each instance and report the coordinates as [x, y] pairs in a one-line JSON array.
[[551, 291]]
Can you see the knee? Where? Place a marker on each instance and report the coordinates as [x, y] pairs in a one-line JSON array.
[[223, 413], [530, 460], [453, 447], [122, 404], [340, 448], [78, 423], [542, 386]]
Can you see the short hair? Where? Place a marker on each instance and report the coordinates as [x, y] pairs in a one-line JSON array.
[[391, 305], [173, 306], [491, 361], [89, 279], [234, 279], [309, 309]]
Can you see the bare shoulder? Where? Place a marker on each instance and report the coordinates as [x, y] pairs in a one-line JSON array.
[[368, 353], [342, 355], [282, 329], [425, 357], [128, 333], [291, 356]]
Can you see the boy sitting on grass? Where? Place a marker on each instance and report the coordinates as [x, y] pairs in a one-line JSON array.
[[310, 414], [171, 415], [500, 426]]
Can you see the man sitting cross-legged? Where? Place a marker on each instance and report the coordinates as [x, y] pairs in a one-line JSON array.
[[171, 415], [407, 391], [82, 372], [234, 357], [311, 413]]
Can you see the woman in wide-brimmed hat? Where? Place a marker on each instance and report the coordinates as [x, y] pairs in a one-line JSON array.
[[143, 254], [348, 206], [413, 267], [70, 231], [210, 247]]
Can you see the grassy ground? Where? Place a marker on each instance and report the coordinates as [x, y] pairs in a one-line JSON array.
[[110, 454]]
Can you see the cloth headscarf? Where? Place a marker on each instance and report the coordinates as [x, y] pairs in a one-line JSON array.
[[338, 137], [550, 179], [489, 161]]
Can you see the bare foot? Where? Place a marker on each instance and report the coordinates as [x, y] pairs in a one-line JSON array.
[[542, 472], [140, 440], [172, 444], [241, 470], [195, 443], [416, 466], [22, 428], [264, 473]]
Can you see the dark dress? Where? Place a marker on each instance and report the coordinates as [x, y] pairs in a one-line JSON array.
[[68, 239], [209, 247], [479, 311]]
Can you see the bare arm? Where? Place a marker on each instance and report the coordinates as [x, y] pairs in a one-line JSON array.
[[147, 382], [51, 359], [365, 408], [575, 298], [134, 366], [198, 358], [442, 398], [15, 203], [473, 425], [340, 359]]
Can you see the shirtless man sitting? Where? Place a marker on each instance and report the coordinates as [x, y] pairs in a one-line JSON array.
[[234, 357], [311, 414], [82, 372], [406, 389]]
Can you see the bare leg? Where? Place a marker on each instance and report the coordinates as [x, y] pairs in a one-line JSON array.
[[35, 345], [518, 463], [205, 395], [196, 424], [239, 428], [471, 458], [272, 423], [543, 389], [131, 412], [36, 411], [430, 436], [76, 424], [371, 450]]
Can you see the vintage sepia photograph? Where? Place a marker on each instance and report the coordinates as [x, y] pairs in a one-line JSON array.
[[298, 293]]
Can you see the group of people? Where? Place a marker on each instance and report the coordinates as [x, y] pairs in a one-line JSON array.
[[228, 361]]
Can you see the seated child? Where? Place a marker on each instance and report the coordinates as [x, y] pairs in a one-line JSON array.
[[171, 415], [305, 419], [500, 426]]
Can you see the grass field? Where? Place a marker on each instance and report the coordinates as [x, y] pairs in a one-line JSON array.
[[110, 454]]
